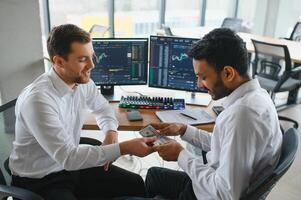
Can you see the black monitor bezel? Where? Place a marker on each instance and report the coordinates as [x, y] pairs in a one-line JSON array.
[[149, 67], [145, 61]]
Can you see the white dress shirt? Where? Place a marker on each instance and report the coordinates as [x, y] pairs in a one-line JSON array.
[[245, 142], [49, 118]]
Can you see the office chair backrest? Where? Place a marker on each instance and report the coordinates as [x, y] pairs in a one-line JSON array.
[[271, 60], [2, 179], [288, 151], [234, 24], [7, 134], [167, 30], [99, 30], [296, 34], [9, 117], [260, 188]]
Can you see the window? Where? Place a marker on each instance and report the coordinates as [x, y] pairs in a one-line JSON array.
[[181, 14], [217, 10], [80, 12], [136, 18]]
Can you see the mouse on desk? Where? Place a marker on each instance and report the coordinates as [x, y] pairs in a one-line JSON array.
[[134, 115]]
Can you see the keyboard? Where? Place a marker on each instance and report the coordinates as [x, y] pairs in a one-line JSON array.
[[145, 102]]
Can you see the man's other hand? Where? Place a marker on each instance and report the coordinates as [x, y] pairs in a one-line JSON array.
[[139, 147], [111, 137], [169, 151], [170, 129]]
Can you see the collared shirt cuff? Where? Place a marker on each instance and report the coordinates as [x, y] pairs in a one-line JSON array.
[[184, 158], [112, 151], [109, 126], [189, 133]]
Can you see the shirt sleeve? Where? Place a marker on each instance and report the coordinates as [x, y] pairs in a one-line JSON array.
[[41, 118], [197, 137], [104, 113], [237, 151]]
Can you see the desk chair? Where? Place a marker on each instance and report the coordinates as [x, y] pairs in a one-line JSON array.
[[167, 30], [237, 25], [7, 130], [296, 33], [232, 23], [16, 192], [99, 29], [273, 68], [260, 188]]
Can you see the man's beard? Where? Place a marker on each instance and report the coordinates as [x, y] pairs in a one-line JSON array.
[[220, 90], [80, 80]]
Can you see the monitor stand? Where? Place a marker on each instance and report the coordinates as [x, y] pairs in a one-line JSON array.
[[107, 89], [108, 92], [193, 98]]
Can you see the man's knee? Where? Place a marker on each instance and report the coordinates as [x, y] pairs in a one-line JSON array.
[[153, 171], [152, 181], [137, 179]]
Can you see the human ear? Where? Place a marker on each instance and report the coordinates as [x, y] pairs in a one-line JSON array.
[[228, 73], [58, 61]]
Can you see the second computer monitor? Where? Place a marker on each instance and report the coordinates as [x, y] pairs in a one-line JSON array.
[[120, 61], [170, 66]]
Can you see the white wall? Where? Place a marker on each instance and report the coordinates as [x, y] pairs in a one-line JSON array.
[[263, 14], [271, 17], [254, 11], [21, 57], [288, 15]]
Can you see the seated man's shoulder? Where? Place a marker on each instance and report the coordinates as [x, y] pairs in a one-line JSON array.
[[247, 114], [237, 112], [38, 91], [252, 104]]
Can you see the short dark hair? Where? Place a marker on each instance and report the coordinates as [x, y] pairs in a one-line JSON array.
[[222, 47], [61, 37]]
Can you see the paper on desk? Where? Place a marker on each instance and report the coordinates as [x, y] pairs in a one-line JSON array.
[[202, 117]]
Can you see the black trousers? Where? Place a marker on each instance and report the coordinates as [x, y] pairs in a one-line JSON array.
[[169, 184], [92, 183]]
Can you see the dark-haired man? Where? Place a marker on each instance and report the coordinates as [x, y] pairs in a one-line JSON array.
[[46, 156], [246, 139]]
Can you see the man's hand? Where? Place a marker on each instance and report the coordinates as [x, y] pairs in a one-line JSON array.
[[169, 151], [139, 147], [170, 129], [111, 138]]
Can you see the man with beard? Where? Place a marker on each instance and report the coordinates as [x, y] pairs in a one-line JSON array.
[[246, 139], [46, 156]]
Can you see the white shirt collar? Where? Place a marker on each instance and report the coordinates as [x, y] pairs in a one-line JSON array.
[[61, 87], [241, 91]]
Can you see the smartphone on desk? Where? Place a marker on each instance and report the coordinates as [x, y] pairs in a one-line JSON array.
[[217, 109], [134, 115]]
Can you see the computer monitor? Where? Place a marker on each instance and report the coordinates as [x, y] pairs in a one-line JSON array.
[[119, 61], [170, 67]]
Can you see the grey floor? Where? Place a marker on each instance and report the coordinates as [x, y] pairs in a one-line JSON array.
[[288, 188]]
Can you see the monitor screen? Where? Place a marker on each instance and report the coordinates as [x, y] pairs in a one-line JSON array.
[[120, 61], [170, 67]]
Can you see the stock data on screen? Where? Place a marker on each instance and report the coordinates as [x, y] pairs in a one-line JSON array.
[[120, 61], [170, 66]]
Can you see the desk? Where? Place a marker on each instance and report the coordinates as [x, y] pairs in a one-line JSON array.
[[148, 115], [293, 47]]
